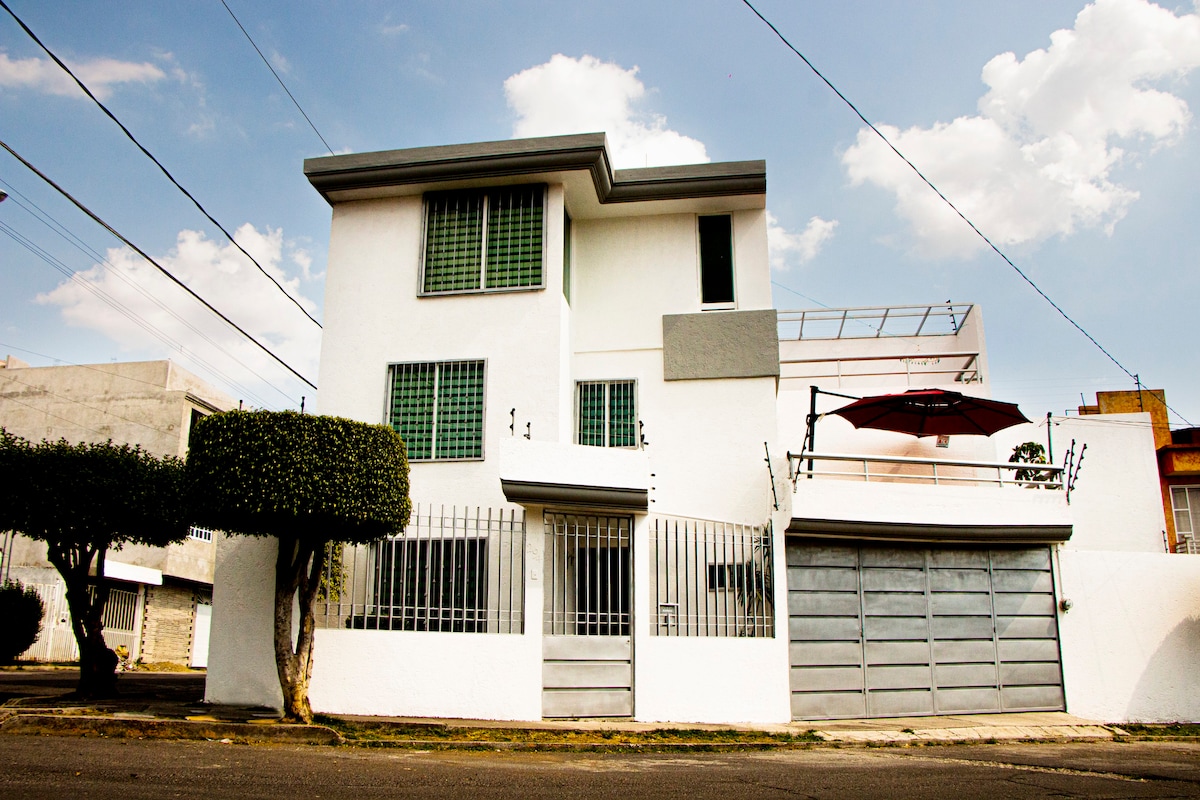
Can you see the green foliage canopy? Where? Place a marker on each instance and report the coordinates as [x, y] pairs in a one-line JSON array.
[[284, 474]]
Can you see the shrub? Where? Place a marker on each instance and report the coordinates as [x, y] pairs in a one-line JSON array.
[[20, 620]]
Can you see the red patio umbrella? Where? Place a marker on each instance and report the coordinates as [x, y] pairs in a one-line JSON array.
[[932, 412]]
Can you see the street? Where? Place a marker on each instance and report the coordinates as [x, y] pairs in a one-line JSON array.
[[57, 767]]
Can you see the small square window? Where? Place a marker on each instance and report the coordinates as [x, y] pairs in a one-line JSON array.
[[607, 414], [716, 259], [478, 240], [437, 408]]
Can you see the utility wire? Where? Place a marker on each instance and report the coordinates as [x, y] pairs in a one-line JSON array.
[[150, 155], [276, 74], [146, 256], [946, 200]]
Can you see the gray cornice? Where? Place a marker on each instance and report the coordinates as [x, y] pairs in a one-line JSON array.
[[515, 157], [559, 494], [934, 534]]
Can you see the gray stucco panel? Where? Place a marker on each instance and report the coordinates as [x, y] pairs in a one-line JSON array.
[[720, 344]]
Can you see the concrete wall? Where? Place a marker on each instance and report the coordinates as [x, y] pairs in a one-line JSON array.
[[1131, 640]]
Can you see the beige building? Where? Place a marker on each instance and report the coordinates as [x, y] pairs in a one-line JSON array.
[[162, 597]]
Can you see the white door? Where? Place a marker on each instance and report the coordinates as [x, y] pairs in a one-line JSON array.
[[200, 631]]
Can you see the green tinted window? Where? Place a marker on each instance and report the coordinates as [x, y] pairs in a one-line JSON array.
[[437, 408]]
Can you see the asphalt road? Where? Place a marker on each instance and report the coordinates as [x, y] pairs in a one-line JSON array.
[[59, 767]]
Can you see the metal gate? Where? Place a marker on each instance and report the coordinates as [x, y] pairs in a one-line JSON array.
[[56, 642], [587, 658], [879, 631]]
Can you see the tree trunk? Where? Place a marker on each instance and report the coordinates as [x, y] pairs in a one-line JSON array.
[[97, 663], [298, 568]]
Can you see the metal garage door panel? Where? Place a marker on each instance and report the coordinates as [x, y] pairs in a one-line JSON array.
[[831, 654], [576, 675], [951, 604], [823, 629], [962, 627], [589, 703], [893, 580], [826, 679], [892, 604], [1033, 558], [1030, 673], [1032, 698], [958, 558], [830, 705], [900, 628], [892, 557], [1028, 650], [901, 704], [898, 678], [951, 651], [799, 555], [823, 604], [1025, 605], [879, 653], [959, 580], [822, 579], [963, 675], [959, 701], [1022, 580], [1026, 628]]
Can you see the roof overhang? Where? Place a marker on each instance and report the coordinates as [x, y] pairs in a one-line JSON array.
[[604, 498], [573, 476], [924, 533], [548, 159]]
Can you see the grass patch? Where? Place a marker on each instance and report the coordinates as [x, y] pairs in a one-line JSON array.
[[368, 732], [1162, 729]]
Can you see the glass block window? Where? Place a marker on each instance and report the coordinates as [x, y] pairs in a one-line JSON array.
[[607, 414], [437, 408], [478, 240]]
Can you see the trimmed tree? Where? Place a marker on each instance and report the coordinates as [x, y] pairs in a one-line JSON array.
[[20, 620], [307, 481], [83, 500]]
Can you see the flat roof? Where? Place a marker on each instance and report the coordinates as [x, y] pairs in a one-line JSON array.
[[408, 171]]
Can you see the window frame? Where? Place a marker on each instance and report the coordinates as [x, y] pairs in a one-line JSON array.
[[700, 262], [434, 411], [607, 434], [486, 194]]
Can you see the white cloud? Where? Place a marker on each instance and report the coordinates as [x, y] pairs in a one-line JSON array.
[[225, 278], [1037, 161], [585, 95], [804, 245], [98, 74]]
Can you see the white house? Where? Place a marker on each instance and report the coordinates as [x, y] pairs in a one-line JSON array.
[[605, 417]]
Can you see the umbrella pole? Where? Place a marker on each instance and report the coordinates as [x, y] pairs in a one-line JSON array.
[[812, 428]]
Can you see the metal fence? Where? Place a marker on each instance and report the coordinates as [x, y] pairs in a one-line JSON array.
[[711, 578], [588, 572], [56, 642], [452, 570]]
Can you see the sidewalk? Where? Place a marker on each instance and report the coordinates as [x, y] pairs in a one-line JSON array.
[[170, 705]]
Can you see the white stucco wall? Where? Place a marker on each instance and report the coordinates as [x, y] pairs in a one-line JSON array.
[[241, 650], [1131, 640]]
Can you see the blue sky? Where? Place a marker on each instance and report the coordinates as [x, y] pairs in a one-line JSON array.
[[1064, 129]]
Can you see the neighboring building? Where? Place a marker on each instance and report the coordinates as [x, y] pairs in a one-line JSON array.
[[161, 598], [618, 513], [1178, 462]]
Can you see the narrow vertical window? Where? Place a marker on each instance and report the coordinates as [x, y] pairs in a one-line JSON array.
[[567, 256], [716, 259]]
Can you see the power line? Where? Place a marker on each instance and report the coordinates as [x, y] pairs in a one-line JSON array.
[[157, 163], [276, 74], [67, 235], [146, 256], [946, 200]]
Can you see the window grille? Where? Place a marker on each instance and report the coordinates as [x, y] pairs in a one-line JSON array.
[[452, 570], [588, 572], [203, 534], [437, 408], [607, 414], [484, 239], [711, 578]]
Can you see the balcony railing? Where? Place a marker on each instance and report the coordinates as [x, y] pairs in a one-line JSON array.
[[874, 322], [909, 469]]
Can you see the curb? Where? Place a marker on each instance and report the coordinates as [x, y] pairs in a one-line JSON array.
[[151, 728]]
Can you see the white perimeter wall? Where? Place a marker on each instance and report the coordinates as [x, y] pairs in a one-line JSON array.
[[1131, 640]]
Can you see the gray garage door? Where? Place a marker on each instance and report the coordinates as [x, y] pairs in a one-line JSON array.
[[890, 631]]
